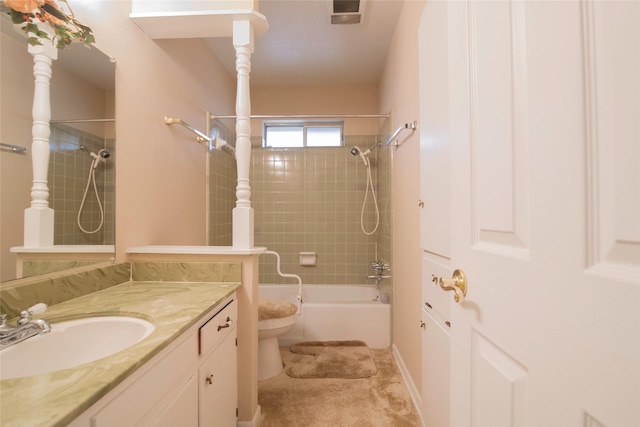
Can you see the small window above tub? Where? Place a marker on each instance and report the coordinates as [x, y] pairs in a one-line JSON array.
[[297, 134]]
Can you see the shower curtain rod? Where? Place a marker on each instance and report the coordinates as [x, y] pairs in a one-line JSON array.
[[82, 121], [310, 116]]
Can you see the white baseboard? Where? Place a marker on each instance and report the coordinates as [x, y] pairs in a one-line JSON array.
[[416, 397], [255, 422]]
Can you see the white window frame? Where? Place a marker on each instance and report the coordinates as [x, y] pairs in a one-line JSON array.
[[305, 125]]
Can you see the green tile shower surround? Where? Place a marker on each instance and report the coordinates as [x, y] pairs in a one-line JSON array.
[[68, 168], [311, 200], [173, 296]]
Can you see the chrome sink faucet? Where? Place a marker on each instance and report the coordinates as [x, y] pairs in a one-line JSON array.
[[26, 327]]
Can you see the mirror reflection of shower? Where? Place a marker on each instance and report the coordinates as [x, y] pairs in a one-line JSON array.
[[367, 163], [101, 156]]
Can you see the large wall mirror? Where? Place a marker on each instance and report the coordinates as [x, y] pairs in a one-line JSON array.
[[82, 163]]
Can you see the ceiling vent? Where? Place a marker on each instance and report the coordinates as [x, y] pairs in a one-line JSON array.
[[346, 11]]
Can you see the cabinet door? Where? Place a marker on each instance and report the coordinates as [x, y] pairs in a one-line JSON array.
[[183, 409], [435, 373], [218, 385]]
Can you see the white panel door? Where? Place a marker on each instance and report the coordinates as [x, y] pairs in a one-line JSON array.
[[544, 115]]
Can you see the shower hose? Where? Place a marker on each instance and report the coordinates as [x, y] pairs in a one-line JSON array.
[[91, 179]]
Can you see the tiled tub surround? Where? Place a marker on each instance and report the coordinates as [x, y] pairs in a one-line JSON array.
[[68, 172], [222, 172], [171, 305], [311, 200]]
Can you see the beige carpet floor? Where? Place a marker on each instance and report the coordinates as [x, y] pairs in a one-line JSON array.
[[381, 400]]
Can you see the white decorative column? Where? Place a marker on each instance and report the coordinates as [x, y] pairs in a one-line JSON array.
[[38, 219], [243, 212]]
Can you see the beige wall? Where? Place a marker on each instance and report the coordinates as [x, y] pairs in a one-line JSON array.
[[355, 99], [16, 99], [399, 94], [161, 178]]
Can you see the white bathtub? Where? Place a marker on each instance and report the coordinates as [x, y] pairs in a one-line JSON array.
[[335, 312]]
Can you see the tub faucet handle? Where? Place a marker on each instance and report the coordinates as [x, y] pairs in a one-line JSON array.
[[380, 266]]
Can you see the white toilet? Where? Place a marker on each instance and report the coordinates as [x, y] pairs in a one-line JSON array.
[[274, 319]]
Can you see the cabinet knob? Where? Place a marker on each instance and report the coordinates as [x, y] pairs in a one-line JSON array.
[[422, 324], [209, 379], [421, 203]]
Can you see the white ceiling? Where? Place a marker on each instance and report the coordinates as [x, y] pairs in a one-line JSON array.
[[302, 47]]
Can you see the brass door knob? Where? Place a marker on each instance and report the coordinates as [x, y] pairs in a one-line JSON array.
[[457, 284]]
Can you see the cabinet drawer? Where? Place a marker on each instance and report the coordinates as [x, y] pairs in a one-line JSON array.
[[211, 333]]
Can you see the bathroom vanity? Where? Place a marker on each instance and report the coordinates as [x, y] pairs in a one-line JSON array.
[[184, 373], [192, 382]]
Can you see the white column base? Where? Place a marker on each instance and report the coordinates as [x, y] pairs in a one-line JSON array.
[[38, 227], [242, 228]]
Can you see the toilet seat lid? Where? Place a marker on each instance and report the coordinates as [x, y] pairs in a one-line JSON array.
[[275, 309]]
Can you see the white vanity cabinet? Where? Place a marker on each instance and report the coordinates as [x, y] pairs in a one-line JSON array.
[[218, 370], [435, 371], [192, 382]]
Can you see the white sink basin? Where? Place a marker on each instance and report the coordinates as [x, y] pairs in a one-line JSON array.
[[72, 343]]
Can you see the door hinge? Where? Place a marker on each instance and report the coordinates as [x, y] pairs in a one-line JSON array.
[[236, 412], [236, 341]]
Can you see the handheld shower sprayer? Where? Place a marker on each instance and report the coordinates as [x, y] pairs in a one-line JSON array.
[[101, 156], [367, 164], [104, 153], [356, 151]]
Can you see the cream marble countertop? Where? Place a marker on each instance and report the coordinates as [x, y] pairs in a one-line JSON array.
[[57, 398]]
